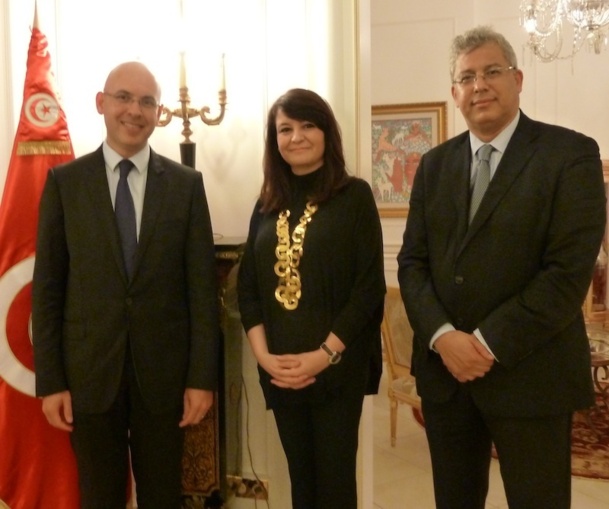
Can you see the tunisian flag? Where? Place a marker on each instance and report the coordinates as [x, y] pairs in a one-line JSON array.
[[37, 465]]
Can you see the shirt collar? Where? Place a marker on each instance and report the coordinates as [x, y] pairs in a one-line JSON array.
[[500, 142], [140, 159]]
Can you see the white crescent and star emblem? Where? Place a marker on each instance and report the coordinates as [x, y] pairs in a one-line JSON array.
[[12, 369], [41, 109]]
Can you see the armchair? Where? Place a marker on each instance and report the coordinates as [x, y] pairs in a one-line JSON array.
[[397, 339]]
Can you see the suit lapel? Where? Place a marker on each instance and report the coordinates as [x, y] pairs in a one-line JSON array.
[[97, 183], [458, 179], [154, 197]]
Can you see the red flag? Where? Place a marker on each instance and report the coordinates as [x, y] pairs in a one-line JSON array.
[[37, 465]]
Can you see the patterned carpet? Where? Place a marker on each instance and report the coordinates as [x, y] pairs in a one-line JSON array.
[[590, 442]]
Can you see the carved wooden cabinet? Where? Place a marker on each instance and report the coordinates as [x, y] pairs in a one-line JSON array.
[[212, 448]]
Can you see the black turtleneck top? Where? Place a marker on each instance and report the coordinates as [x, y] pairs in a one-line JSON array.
[[343, 286]]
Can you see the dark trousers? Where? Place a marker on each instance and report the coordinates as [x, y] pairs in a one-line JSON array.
[[320, 441], [104, 442], [534, 455]]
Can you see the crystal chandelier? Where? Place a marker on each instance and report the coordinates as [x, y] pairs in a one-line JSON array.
[[546, 22]]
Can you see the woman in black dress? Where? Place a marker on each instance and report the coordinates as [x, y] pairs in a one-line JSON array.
[[311, 289]]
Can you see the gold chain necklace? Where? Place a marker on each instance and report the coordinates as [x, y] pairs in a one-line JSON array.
[[288, 257]]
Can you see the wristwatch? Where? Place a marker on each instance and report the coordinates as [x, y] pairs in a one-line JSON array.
[[333, 357]]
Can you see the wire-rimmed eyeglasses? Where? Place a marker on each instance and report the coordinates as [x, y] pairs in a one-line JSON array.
[[146, 102], [488, 75]]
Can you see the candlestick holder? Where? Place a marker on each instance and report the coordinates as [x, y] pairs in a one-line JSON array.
[[185, 112]]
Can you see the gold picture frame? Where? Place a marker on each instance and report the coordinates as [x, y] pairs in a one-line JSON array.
[[400, 135]]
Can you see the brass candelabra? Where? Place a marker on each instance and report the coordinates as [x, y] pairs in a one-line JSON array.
[[186, 112]]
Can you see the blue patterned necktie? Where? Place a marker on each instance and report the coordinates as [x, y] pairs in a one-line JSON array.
[[483, 177], [125, 216]]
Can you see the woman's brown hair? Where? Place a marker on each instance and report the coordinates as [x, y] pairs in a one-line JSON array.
[[303, 105]]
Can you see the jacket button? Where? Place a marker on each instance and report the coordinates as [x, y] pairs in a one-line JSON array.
[[129, 301], [459, 280]]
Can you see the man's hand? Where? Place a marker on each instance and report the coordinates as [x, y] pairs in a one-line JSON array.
[[463, 355], [57, 408], [197, 403]]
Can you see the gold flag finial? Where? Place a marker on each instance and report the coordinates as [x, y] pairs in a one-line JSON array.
[[35, 25]]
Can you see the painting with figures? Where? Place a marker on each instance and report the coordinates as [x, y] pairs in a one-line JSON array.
[[401, 134]]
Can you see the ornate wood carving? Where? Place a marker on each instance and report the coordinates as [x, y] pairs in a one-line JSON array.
[[205, 448]]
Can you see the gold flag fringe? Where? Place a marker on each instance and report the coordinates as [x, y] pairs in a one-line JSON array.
[[35, 148]]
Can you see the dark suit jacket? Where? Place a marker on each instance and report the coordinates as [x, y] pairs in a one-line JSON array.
[[85, 311], [519, 273]]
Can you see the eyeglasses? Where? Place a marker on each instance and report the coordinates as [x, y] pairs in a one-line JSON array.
[[489, 75], [147, 102]]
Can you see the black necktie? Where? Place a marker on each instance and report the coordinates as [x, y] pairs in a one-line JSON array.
[[483, 177], [125, 216]]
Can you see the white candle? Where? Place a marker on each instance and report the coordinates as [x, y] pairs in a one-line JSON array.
[[182, 70], [223, 75]]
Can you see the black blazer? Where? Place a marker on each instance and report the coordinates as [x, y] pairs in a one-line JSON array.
[[85, 311], [519, 273]]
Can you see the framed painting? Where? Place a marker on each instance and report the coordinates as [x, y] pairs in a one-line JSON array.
[[401, 134]]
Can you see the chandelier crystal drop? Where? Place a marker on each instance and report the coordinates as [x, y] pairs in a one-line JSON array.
[[547, 22]]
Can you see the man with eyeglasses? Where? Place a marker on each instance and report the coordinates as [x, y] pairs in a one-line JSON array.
[[504, 227], [125, 317]]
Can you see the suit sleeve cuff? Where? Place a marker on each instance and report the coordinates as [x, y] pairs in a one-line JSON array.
[[447, 327], [478, 335]]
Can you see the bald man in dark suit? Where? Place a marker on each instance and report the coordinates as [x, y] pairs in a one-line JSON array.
[[126, 335]]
